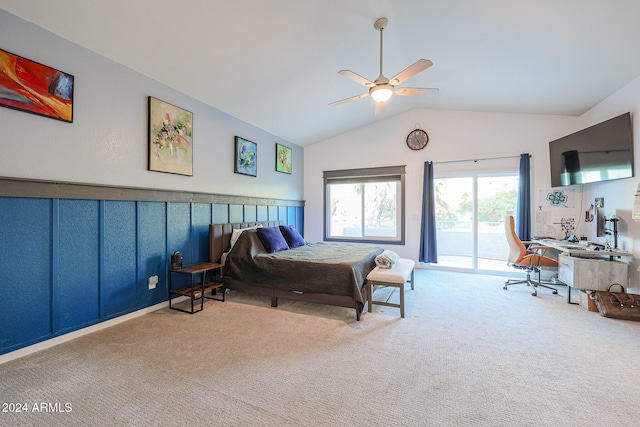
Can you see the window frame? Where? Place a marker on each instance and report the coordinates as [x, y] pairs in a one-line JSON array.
[[365, 175]]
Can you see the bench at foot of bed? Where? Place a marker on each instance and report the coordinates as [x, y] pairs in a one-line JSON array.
[[396, 276]]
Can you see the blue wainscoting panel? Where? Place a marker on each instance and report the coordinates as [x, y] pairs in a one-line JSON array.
[[220, 214], [118, 287], [273, 213], [291, 215], [179, 237], [179, 230], [152, 252], [236, 213], [200, 231], [25, 271], [250, 213], [77, 284], [263, 213], [282, 214], [300, 220]]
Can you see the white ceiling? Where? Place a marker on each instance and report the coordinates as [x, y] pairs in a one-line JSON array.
[[275, 63]]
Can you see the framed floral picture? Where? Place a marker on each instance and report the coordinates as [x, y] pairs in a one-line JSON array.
[[170, 138], [246, 157], [283, 159], [35, 88]]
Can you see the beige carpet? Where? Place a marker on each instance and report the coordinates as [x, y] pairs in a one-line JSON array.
[[467, 354]]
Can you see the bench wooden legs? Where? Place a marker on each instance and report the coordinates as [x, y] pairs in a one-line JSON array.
[[400, 273], [370, 286]]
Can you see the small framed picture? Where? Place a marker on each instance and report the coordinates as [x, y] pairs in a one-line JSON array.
[[170, 138], [246, 157], [283, 159]]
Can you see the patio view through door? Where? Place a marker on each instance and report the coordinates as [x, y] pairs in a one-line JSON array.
[[470, 213]]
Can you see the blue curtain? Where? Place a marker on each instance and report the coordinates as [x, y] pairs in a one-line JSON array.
[[428, 246], [523, 213]]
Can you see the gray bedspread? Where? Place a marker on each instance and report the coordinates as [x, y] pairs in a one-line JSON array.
[[328, 268]]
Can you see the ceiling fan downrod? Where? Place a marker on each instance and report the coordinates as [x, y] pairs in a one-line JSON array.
[[380, 25]]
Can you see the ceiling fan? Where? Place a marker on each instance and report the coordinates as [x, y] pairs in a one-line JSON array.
[[382, 88]]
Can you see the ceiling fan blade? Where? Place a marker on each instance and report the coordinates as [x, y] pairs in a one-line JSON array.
[[410, 71], [353, 98], [416, 91], [356, 78], [380, 106]]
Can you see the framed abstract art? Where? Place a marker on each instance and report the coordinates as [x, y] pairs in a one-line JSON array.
[[283, 159], [35, 88], [246, 157], [170, 138]]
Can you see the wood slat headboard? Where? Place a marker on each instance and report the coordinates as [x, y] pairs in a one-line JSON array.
[[220, 236]]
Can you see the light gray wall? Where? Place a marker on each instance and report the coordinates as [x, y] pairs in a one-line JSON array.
[[107, 143], [454, 135]]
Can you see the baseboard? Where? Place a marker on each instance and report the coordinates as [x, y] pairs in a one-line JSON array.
[[80, 332]]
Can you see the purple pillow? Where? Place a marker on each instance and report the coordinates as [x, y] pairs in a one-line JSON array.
[[272, 239], [291, 235]]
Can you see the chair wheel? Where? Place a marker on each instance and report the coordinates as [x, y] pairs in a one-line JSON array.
[[504, 287], [535, 294], [555, 292]]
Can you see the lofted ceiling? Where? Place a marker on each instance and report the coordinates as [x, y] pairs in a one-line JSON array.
[[275, 63]]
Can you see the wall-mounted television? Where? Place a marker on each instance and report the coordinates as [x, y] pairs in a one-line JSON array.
[[598, 153]]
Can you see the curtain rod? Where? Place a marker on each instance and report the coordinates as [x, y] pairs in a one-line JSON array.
[[477, 160]]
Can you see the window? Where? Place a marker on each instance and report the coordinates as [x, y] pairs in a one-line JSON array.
[[365, 205]]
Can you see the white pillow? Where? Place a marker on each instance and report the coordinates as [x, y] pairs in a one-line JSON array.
[[238, 231]]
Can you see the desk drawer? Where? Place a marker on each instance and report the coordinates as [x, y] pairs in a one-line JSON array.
[[565, 269], [591, 273]]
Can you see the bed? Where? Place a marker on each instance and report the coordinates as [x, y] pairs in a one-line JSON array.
[[325, 273]]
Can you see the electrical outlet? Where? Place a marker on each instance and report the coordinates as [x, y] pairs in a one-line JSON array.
[[153, 281]]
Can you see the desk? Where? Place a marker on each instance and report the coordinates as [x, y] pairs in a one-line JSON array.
[[574, 249], [582, 268]]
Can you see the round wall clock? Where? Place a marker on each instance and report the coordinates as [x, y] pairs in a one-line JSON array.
[[417, 139]]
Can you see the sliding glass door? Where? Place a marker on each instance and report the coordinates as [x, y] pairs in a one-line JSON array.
[[470, 213], [454, 221]]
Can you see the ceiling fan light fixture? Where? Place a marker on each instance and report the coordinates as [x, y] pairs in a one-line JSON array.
[[381, 93], [381, 89]]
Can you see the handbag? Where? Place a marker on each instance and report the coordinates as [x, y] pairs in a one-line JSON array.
[[617, 305]]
